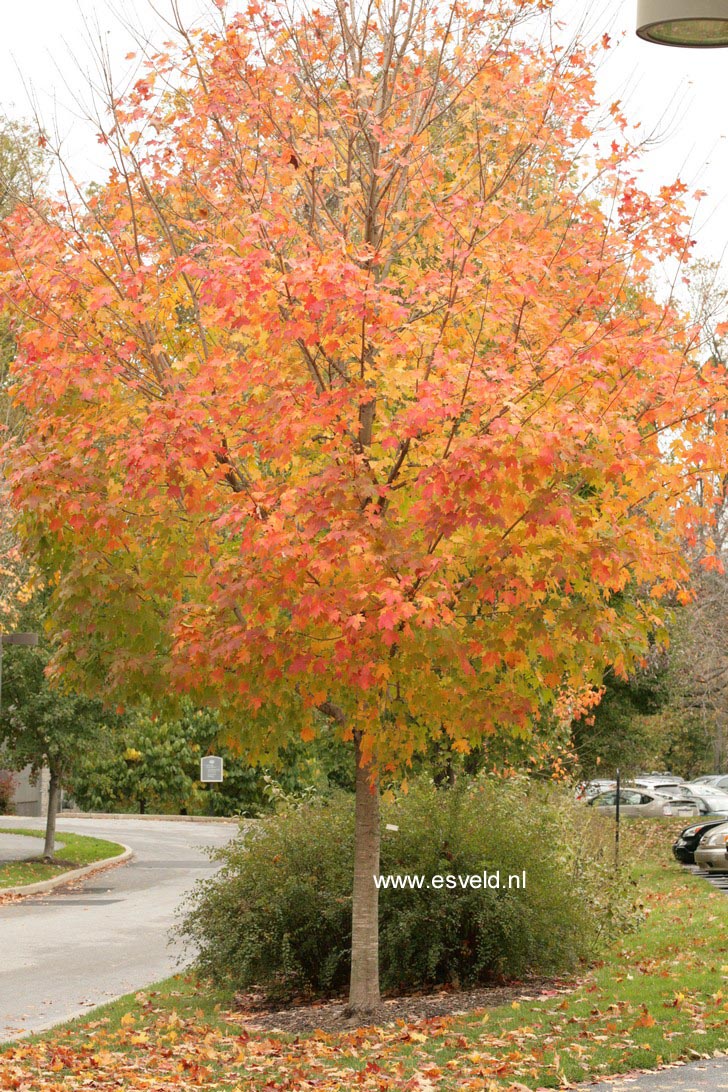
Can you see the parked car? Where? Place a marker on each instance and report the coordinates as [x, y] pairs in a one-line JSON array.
[[660, 775], [712, 850], [687, 842], [713, 799], [635, 801], [586, 790], [659, 782], [714, 783]]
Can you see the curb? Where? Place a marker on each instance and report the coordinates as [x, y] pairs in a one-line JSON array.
[[67, 877], [147, 818]]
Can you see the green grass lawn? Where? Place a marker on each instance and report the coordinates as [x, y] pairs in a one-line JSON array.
[[76, 851], [658, 996]]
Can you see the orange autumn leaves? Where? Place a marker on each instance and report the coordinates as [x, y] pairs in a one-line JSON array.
[[346, 390]]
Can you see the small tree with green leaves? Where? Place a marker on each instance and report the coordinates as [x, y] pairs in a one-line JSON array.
[[42, 726]]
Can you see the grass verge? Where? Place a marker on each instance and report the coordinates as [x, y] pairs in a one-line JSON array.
[[77, 850], [659, 996]]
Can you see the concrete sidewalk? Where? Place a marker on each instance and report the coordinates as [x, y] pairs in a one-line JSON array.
[[710, 1075], [16, 847]]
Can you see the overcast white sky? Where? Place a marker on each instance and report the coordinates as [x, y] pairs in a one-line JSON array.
[[680, 93]]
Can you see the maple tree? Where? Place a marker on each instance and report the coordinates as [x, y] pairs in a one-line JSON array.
[[349, 398]]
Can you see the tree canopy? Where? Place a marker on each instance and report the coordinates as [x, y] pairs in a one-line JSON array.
[[349, 393], [343, 388]]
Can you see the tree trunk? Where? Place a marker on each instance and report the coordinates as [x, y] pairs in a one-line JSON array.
[[364, 994], [54, 795]]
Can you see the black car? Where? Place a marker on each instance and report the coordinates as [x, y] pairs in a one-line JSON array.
[[684, 847]]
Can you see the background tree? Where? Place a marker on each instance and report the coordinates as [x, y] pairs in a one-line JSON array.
[[672, 711], [42, 727], [618, 734], [697, 676], [699, 660], [21, 164], [148, 762], [21, 172], [669, 713], [144, 764], [349, 396], [21, 175]]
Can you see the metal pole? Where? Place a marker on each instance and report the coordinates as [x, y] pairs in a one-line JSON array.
[[616, 828]]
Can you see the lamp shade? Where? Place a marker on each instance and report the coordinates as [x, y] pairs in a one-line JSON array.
[[700, 24]]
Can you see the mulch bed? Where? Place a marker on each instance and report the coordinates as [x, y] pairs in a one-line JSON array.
[[332, 1016]]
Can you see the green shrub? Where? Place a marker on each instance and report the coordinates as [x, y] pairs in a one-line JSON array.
[[278, 914], [466, 936], [8, 784]]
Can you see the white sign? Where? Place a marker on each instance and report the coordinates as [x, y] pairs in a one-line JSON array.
[[211, 768]]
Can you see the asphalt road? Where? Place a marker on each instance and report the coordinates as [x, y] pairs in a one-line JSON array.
[[64, 953], [710, 1075]]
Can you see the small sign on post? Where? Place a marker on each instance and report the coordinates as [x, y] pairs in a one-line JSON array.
[[211, 768]]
